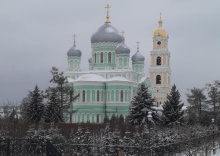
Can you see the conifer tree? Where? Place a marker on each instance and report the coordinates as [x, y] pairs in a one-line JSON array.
[[214, 96], [140, 106], [33, 107], [64, 91], [114, 119], [53, 112], [172, 108], [196, 98], [121, 119]]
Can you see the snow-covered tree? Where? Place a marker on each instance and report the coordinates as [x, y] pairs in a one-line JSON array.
[[196, 98], [53, 112], [106, 119], [106, 140], [172, 108], [33, 106], [127, 143], [214, 95], [121, 119], [64, 90], [114, 119], [140, 106]]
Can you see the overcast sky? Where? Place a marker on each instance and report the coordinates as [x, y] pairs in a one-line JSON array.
[[36, 35]]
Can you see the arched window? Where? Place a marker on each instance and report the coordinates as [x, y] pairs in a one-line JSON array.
[[95, 57], [98, 95], [97, 118], [71, 64], [101, 58], [120, 62], [158, 79], [158, 61], [83, 96], [109, 57], [125, 62], [121, 96]]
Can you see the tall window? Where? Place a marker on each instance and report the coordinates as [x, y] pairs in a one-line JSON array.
[[101, 58], [95, 57], [158, 60], [83, 96], [98, 95], [97, 118], [121, 96], [125, 62], [158, 79], [109, 57]]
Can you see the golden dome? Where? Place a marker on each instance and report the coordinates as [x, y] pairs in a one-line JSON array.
[[160, 31]]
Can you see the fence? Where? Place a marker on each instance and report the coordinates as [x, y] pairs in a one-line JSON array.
[[41, 147], [27, 147], [201, 146]]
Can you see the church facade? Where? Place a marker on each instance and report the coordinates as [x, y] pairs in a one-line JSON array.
[[109, 85]]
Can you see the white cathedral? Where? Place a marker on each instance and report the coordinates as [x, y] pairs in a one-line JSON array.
[[109, 85]]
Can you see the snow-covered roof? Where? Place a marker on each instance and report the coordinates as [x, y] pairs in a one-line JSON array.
[[91, 77], [118, 78], [70, 79], [143, 79]]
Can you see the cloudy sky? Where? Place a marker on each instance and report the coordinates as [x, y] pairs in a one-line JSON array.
[[36, 35]]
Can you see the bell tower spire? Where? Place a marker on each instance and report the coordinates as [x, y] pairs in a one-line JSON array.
[[160, 22], [159, 70]]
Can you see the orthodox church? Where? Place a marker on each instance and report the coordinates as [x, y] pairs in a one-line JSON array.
[[109, 85]]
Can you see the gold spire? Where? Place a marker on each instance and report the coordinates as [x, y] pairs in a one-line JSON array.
[[160, 22], [107, 13], [138, 46], [122, 36], [74, 40]]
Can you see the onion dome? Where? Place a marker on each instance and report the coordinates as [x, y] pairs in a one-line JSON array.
[[122, 48], [90, 60], [106, 33], [137, 57], [160, 31], [73, 51]]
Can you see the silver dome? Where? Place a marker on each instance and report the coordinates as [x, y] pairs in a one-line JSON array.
[[106, 33], [90, 60], [122, 49], [137, 57], [74, 52]]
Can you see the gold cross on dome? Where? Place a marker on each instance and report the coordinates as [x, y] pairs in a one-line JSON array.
[[107, 13], [74, 40]]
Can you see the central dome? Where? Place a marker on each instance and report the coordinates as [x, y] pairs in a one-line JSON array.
[[106, 33]]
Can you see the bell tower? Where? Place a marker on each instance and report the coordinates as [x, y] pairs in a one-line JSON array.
[[159, 70]]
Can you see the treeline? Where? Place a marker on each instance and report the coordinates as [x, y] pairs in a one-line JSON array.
[[50, 105], [203, 107]]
